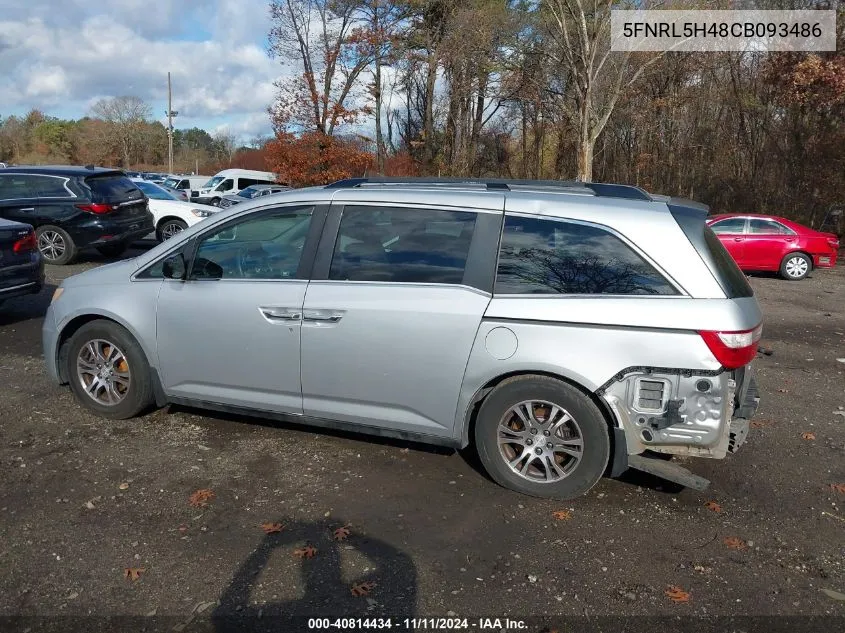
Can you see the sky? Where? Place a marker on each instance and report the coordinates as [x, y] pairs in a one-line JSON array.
[[61, 56]]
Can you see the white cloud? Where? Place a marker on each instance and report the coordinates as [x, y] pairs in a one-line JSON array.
[[63, 54]]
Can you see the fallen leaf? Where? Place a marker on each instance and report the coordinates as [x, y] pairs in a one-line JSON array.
[[133, 573], [562, 515], [712, 505], [272, 528], [183, 528], [309, 551], [124, 486], [341, 533], [363, 588], [676, 594], [834, 594], [759, 424], [838, 488], [735, 543], [807, 435], [201, 498]]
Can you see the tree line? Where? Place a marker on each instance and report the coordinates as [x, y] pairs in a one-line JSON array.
[[531, 89], [118, 132]]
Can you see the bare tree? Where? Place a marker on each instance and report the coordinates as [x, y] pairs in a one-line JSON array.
[[226, 144], [316, 38], [126, 116], [593, 77]]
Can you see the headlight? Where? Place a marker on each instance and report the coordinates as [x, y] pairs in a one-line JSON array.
[[202, 213], [56, 294]]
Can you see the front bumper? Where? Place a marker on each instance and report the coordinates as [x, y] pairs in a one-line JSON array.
[[702, 414]]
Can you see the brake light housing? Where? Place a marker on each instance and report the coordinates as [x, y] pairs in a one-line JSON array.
[[733, 349], [26, 244], [97, 208]]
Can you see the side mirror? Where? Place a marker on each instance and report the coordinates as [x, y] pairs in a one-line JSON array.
[[174, 267]]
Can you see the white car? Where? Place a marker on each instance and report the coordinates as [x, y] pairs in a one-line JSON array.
[[170, 215]]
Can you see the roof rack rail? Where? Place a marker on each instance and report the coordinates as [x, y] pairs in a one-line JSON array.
[[603, 190]]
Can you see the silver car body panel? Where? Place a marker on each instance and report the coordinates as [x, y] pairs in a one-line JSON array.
[[415, 358]]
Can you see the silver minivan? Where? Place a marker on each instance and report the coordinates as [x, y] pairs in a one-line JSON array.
[[565, 330]]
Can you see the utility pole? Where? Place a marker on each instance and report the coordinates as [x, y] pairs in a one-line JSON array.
[[170, 114]]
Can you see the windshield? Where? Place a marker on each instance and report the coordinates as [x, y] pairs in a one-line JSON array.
[[154, 192], [213, 182], [171, 182], [249, 192]]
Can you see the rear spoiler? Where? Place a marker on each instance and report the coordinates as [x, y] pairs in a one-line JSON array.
[[681, 202]]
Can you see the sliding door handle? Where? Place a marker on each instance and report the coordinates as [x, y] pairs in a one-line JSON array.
[[281, 314], [322, 316]]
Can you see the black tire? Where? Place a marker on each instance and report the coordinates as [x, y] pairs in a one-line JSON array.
[[113, 250], [56, 246], [215, 202], [795, 266], [169, 228], [137, 396], [591, 424]]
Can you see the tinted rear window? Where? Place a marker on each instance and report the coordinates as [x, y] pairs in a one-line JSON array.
[[116, 188], [733, 281]]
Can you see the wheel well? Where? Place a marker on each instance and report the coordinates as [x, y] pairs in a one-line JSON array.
[[481, 395], [170, 217], [68, 331], [799, 252]]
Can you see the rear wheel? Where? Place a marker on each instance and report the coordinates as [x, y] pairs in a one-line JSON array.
[[542, 437], [108, 371], [795, 266], [55, 244], [169, 228]]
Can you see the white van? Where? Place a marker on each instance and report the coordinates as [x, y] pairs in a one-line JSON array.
[[185, 183], [230, 181]]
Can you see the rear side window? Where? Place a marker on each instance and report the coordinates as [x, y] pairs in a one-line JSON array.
[[539, 256], [113, 188], [731, 225], [767, 227], [402, 245], [732, 280]]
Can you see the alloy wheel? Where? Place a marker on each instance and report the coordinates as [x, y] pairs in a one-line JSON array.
[[103, 372], [169, 230], [540, 441], [51, 244]]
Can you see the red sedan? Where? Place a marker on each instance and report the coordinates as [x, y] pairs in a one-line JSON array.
[[767, 242]]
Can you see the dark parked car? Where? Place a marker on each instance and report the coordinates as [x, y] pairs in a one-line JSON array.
[[21, 264], [74, 208]]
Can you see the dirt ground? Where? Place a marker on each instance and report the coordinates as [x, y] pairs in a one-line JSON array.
[[82, 500]]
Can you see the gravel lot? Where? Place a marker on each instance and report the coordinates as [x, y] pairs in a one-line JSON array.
[[83, 499]]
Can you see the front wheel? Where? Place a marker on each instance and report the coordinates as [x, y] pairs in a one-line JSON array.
[[108, 371], [169, 228], [795, 266], [215, 202], [55, 244], [542, 437]]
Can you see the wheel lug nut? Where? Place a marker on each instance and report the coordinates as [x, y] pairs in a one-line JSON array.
[[549, 446], [529, 442], [538, 450], [546, 433], [533, 431]]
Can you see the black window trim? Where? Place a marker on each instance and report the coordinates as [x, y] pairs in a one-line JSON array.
[[189, 248], [682, 293], [480, 268], [65, 179]]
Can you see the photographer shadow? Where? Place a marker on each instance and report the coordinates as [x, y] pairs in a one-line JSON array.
[[325, 593]]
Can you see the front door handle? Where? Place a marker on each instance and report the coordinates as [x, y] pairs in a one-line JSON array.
[[27, 209], [272, 313], [738, 239], [322, 316]]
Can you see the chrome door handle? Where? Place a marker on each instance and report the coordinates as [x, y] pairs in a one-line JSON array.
[[281, 314], [739, 239], [322, 316], [27, 209]]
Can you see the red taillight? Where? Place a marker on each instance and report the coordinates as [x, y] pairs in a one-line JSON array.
[[26, 244], [833, 242], [96, 207], [733, 349]]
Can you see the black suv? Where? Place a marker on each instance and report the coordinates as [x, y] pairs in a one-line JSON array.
[[73, 208]]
